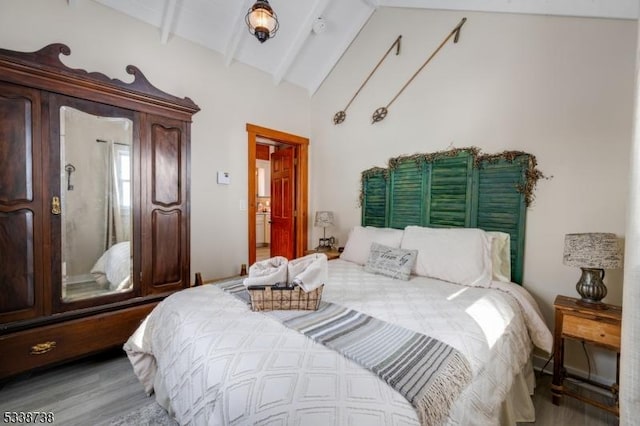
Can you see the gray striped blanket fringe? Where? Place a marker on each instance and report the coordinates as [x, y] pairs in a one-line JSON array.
[[429, 373]]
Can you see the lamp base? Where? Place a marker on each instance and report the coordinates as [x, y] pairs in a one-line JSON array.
[[591, 288]]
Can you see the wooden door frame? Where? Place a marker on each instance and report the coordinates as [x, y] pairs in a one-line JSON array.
[[301, 200]]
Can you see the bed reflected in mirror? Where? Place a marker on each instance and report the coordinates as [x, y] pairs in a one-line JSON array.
[[95, 154]]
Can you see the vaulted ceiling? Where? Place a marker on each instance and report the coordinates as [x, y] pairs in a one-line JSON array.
[[302, 56]]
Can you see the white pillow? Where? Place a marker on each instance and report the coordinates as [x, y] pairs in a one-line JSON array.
[[390, 261], [458, 255], [500, 255], [359, 242]]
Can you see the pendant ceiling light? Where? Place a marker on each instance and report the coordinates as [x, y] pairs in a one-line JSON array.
[[262, 21]]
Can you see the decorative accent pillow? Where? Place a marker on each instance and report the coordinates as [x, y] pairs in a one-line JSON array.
[[390, 261], [358, 244], [500, 255], [458, 255]]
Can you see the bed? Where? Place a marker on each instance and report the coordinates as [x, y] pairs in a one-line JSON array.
[[113, 267], [210, 360]]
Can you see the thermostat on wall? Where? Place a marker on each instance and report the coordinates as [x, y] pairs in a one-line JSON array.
[[224, 178]]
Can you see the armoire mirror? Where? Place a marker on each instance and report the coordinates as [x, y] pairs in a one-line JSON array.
[[96, 204]]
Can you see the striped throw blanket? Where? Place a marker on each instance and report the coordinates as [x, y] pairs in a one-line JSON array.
[[429, 373]]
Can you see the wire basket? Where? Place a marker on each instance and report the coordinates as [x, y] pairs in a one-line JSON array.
[[284, 297]]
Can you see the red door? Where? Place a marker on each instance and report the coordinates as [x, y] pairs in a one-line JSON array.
[[282, 203]]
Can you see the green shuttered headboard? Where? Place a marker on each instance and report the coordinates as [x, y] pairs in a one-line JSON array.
[[456, 188]]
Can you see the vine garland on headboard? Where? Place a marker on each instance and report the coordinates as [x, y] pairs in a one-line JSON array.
[[532, 173], [458, 187]]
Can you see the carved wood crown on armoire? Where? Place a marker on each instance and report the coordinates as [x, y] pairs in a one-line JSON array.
[[94, 206]]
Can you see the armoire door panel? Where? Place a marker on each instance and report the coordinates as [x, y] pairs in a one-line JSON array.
[[166, 247], [20, 206], [166, 152], [16, 252], [16, 148], [93, 223], [165, 223]]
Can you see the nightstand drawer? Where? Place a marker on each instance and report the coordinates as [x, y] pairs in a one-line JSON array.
[[598, 332]]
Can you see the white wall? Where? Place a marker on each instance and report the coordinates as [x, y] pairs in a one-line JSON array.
[[559, 88], [104, 40]]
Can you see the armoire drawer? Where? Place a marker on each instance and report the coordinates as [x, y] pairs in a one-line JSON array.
[[25, 350]]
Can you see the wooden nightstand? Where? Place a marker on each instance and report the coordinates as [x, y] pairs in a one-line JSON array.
[[600, 327], [331, 254], [199, 281]]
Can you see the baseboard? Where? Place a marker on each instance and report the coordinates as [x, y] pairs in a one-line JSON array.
[[539, 362]]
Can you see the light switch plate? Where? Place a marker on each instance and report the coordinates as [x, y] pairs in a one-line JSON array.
[[224, 178]]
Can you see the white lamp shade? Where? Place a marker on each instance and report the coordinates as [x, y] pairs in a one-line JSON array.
[[593, 250], [324, 219]]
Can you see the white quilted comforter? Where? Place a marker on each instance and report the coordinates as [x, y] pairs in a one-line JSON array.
[[212, 362]]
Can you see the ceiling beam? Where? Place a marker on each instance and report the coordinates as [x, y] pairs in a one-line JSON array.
[[298, 41], [238, 31], [170, 11]]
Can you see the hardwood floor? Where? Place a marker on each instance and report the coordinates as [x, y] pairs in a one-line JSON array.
[[571, 411], [103, 388], [85, 392], [263, 253]]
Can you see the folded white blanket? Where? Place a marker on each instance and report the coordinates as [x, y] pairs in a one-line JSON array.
[[267, 272], [309, 272]]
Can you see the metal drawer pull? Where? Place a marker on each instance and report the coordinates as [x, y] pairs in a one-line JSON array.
[[42, 348]]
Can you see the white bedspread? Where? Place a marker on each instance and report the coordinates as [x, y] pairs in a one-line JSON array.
[[219, 363]]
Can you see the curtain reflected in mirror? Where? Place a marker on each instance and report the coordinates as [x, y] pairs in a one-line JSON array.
[[95, 155]]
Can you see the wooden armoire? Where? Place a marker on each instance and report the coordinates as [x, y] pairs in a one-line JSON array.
[[53, 307]]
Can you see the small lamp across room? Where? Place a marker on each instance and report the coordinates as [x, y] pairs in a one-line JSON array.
[[324, 219], [592, 253]]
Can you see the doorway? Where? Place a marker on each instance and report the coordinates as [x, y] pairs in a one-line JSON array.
[[299, 147]]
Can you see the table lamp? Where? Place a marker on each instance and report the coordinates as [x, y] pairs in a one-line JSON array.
[[593, 253], [324, 219]]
